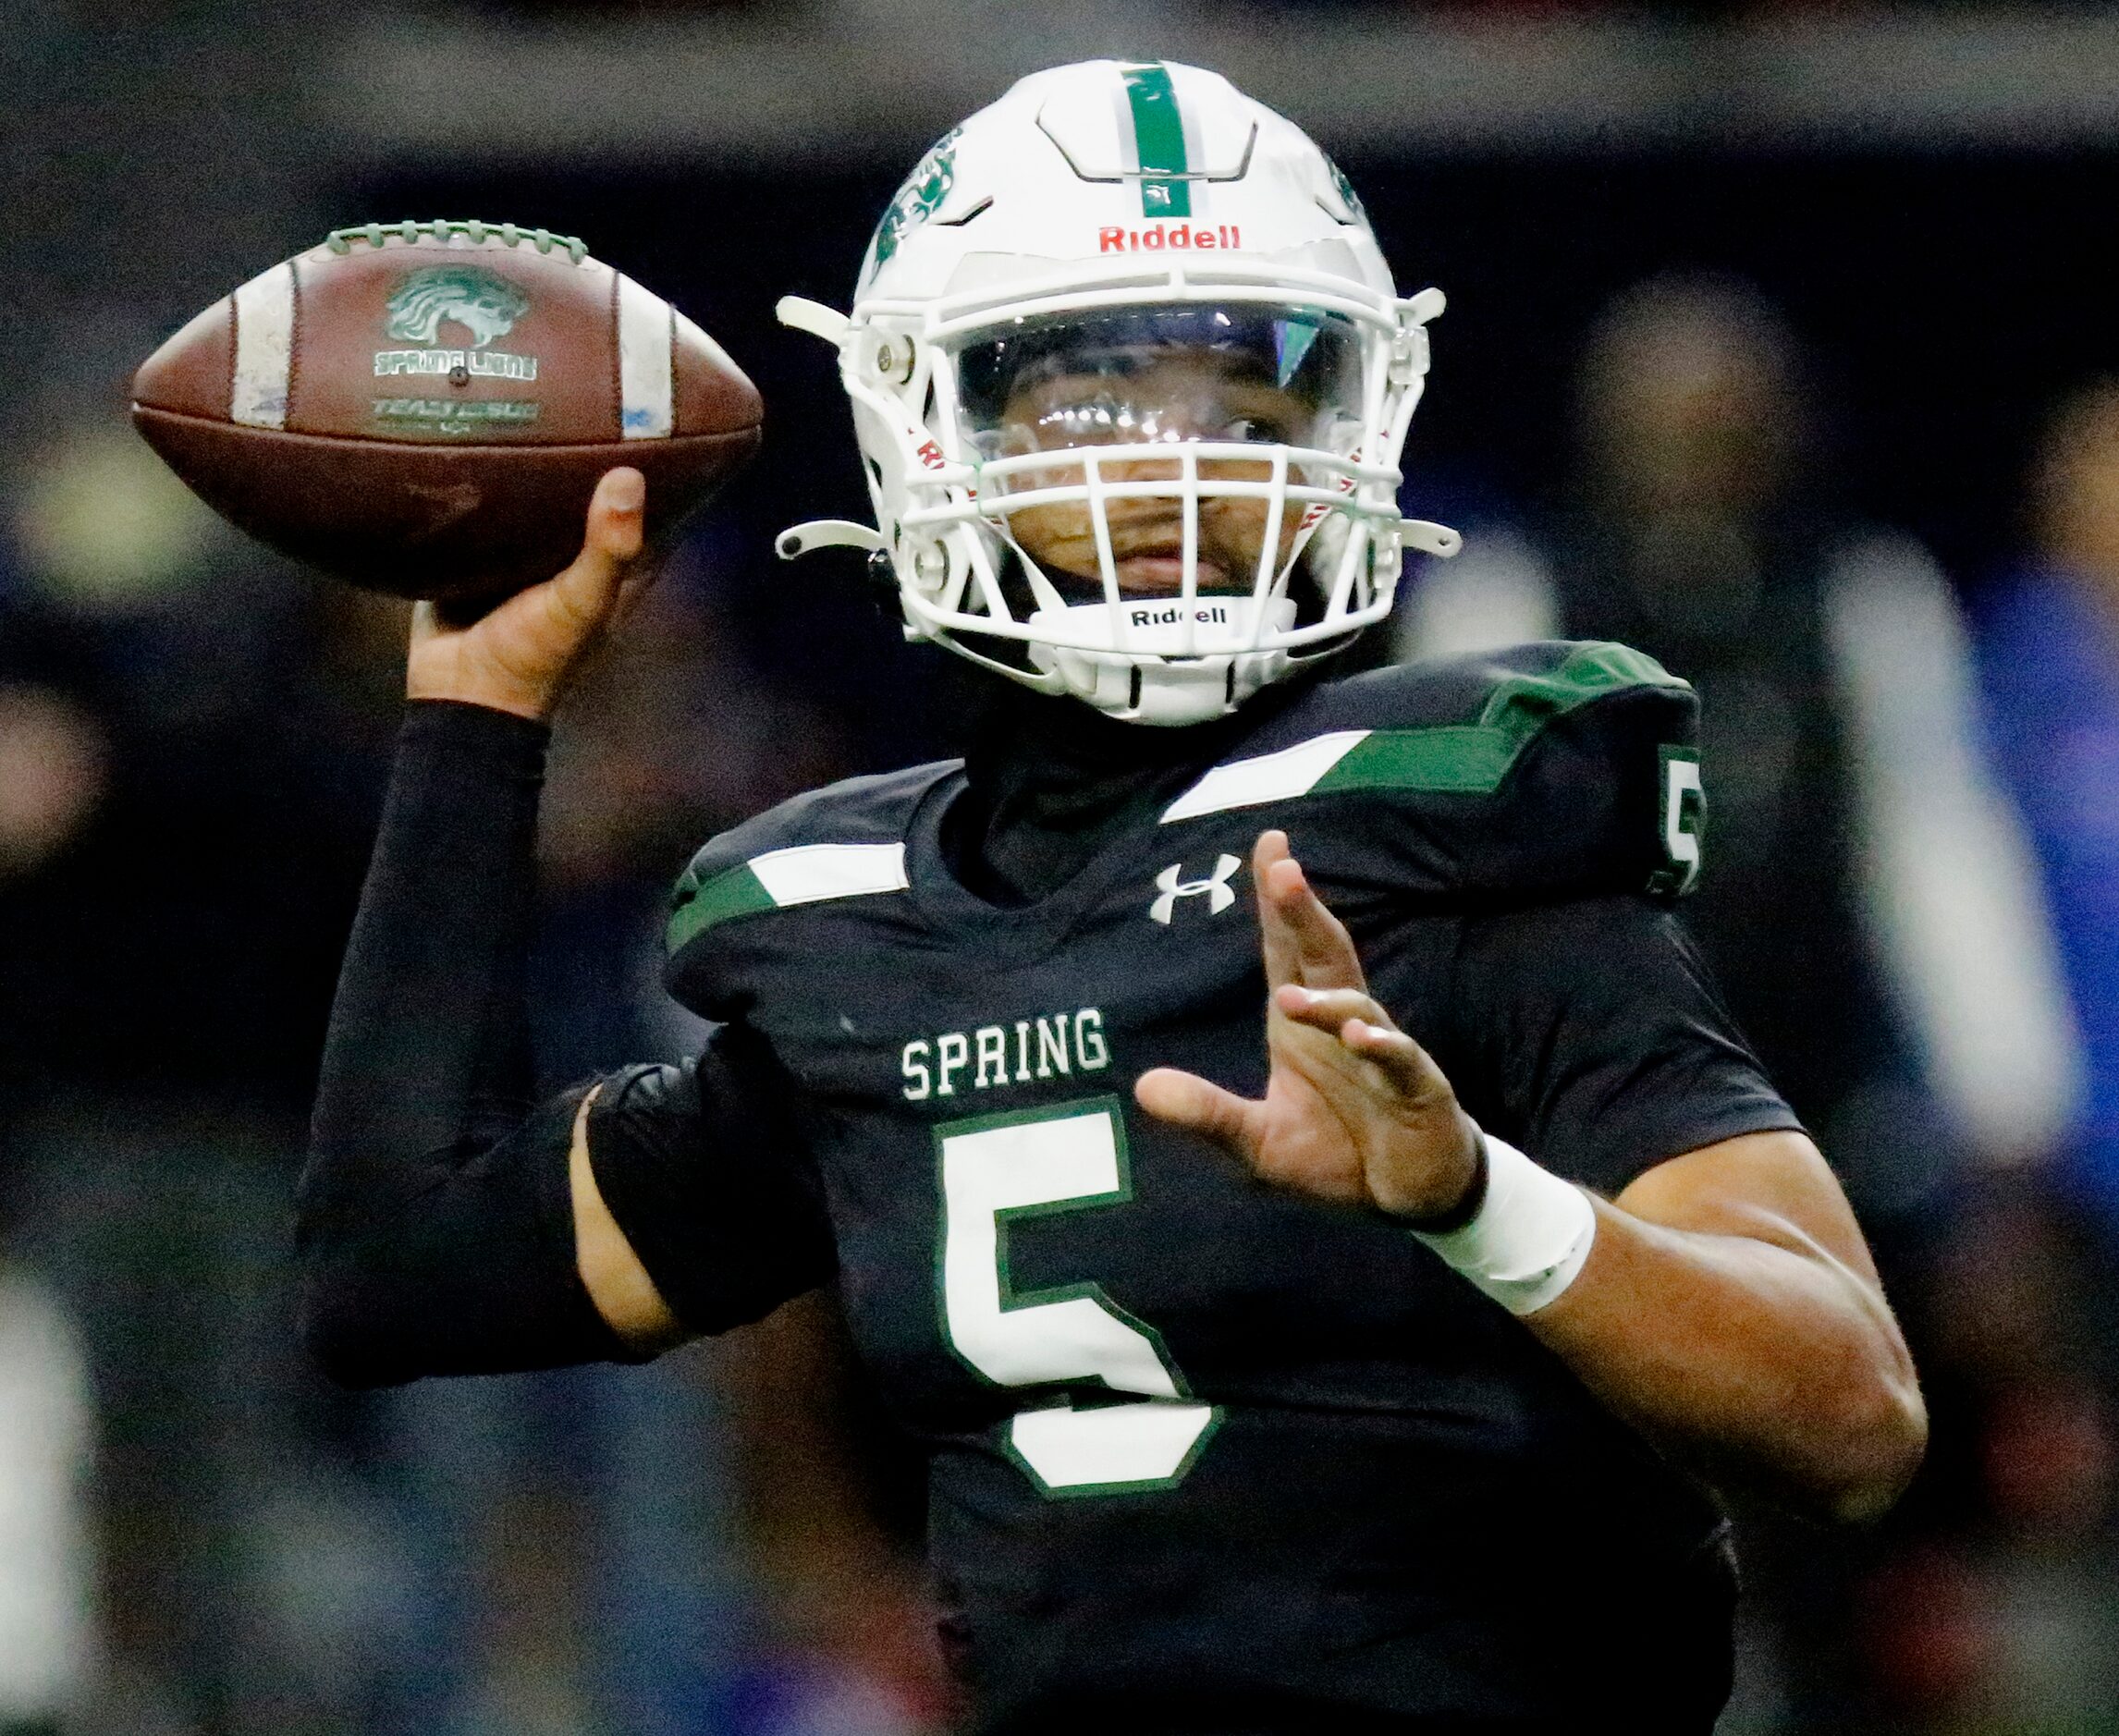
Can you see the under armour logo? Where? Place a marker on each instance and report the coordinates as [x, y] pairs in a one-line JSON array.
[[1216, 887]]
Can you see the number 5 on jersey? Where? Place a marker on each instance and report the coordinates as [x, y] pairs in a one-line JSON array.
[[995, 1170], [1683, 821]]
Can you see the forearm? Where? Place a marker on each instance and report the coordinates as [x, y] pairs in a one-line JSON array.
[[434, 1223], [428, 1031], [1757, 1358], [1726, 1305]]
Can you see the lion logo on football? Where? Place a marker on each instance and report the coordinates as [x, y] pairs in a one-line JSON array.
[[484, 305]]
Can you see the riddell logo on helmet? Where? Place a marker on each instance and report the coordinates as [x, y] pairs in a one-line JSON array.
[[1212, 613], [1157, 236]]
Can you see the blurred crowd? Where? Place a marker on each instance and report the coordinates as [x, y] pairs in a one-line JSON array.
[[1909, 900], [1912, 881]]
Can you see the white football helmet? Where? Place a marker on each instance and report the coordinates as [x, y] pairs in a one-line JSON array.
[[1116, 333]]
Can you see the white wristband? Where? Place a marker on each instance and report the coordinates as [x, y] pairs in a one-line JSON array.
[[1529, 1236]]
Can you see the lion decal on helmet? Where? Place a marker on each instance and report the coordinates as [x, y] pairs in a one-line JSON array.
[[921, 196], [484, 305]]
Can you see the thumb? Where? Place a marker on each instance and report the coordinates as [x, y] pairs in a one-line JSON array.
[[616, 522], [1188, 1101]]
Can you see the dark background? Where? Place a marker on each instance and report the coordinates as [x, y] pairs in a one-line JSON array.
[[720, 1543]]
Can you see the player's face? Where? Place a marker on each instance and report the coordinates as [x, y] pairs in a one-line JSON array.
[[1155, 379], [1178, 394]]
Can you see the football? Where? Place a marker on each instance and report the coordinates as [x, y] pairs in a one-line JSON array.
[[425, 408]]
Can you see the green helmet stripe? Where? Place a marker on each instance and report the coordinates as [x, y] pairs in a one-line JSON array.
[[1159, 130]]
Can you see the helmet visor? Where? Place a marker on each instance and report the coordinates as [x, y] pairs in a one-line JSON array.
[[1161, 374]]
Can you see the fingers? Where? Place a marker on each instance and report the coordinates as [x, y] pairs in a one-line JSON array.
[[1302, 942], [1409, 1068], [617, 525], [1364, 1030], [1328, 1008], [1283, 956], [617, 515], [1188, 1101]]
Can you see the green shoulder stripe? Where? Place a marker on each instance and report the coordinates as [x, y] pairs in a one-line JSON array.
[[1475, 757], [805, 874], [1465, 758], [736, 892]]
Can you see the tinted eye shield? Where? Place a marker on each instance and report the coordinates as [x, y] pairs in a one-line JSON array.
[[1120, 355]]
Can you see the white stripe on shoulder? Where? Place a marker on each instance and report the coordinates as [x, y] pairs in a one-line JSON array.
[[806, 872], [1269, 778], [644, 385], [264, 348]]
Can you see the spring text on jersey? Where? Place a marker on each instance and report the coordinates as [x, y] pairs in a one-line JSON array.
[[1057, 1046]]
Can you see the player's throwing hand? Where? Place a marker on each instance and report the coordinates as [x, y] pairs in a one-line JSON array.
[[1355, 1111], [517, 657]]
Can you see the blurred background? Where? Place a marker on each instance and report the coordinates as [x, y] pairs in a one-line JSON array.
[[1778, 345]]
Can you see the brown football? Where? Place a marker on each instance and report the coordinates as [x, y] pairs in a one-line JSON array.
[[424, 408]]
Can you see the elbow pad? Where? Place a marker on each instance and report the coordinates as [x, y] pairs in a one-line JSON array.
[[703, 1169]]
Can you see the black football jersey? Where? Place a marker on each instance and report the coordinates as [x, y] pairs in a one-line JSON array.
[[1203, 1456]]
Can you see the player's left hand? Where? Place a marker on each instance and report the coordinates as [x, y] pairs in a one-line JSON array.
[[1354, 1112]]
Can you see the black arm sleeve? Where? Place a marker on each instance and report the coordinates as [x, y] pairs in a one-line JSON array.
[[1590, 1034], [434, 1224]]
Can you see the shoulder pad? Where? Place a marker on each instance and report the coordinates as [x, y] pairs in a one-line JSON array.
[[842, 841], [1541, 770]]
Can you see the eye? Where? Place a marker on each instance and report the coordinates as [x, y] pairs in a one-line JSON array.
[[1261, 428]]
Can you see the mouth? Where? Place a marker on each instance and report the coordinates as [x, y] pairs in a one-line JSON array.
[[1159, 574], [1148, 553], [1150, 561]]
